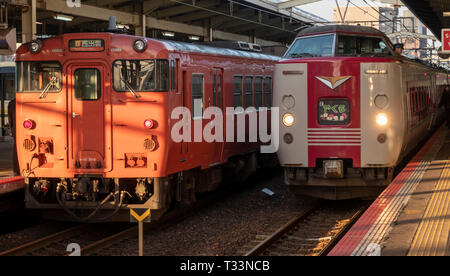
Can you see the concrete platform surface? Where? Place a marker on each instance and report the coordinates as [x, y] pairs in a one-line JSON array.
[[412, 216]]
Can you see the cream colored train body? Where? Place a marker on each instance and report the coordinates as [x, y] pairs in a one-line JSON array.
[[350, 116]]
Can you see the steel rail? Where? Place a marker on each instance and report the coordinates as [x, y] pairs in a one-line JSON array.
[[264, 245], [43, 242], [334, 241]]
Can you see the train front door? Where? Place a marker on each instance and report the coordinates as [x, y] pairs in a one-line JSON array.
[[88, 122]]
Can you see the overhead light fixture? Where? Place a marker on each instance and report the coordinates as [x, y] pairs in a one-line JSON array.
[[446, 13], [63, 17], [168, 34], [194, 38]]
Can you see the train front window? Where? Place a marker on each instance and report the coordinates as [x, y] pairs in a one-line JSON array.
[[141, 75], [38, 77], [362, 46], [316, 46], [88, 83]]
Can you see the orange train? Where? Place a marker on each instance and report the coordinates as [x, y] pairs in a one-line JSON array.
[[94, 121]]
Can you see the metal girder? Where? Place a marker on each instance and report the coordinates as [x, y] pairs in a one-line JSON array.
[[151, 6], [391, 2], [247, 14], [430, 12], [193, 16], [182, 9], [293, 3], [289, 13], [103, 13], [414, 35]]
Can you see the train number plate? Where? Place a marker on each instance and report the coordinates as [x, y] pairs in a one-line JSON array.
[[334, 112]]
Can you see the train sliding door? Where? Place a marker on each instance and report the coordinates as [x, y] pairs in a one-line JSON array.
[[217, 96], [88, 130]]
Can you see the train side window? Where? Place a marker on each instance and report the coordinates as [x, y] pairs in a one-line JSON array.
[[219, 90], [214, 89], [416, 101], [198, 89], [173, 76], [88, 84], [238, 91], [268, 92], [248, 92], [259, 92]]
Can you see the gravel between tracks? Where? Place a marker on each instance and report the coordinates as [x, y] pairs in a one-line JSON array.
[[12, 240], [223, 228]]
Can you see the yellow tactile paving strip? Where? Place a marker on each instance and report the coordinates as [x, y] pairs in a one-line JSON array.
[[432, 236]]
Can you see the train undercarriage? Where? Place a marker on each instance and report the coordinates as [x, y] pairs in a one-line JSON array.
[[92, 198], [352, 183]]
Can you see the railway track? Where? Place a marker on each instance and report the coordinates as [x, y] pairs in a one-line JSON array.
[[312, 233], [56, 244], [94, 237]]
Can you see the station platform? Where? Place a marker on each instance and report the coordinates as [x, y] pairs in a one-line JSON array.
[[8, 182], [412, 216]]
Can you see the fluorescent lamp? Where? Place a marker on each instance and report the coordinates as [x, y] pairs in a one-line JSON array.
[[168, 34], [446, 13], [194, 37], [63, 17]]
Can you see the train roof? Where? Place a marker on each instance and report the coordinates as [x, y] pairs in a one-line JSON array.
[[340, 28], [195, 48]]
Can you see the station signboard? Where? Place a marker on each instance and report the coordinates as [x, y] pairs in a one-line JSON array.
[[446, 41]]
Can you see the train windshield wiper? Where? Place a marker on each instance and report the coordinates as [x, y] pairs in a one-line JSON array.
[[51, 84], [128, 85], [300, 55]]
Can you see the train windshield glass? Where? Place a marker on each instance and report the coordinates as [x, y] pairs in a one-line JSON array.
[[38, 76], [362, 46], [141, 75], [316, 46]]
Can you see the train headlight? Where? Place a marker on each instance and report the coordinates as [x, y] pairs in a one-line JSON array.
[[35, 46], [288, 120], [140, 45], [382, 119]]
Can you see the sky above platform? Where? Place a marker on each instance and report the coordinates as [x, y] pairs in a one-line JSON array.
[[325, 8]]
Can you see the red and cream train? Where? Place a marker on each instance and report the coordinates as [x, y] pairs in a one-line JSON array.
[[94, 121], [351, 110]]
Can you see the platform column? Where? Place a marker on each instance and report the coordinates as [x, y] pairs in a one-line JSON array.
[[141, 30], [29, 29], [207, 30]]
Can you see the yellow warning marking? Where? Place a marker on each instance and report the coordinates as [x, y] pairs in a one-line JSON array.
[[432, 236], [140, 218]]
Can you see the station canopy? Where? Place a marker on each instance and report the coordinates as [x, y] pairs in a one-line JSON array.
[[257, 20], [432, 13]]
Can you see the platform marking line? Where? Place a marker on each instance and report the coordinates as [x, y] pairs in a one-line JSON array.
[[391, 212], [400, 199], [433, 228], [11, 184], [362, 229]]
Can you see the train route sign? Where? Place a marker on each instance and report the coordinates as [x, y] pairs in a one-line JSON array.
[[140, 216], [446, 41]]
